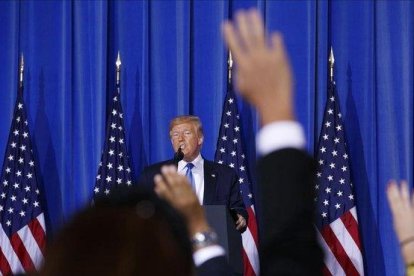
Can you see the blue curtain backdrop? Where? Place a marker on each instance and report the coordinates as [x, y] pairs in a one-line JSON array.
[[174, 62]]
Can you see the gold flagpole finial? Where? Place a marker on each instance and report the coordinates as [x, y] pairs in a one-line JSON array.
[[21, 70], [229, 67], [118, 68], [331, 64]]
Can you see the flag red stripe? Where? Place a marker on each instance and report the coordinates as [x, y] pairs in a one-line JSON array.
[[38, 234], [247, 266], [21, 252], [325, 271], [252, 225], [5, 268], [352, 226], [338, 251]]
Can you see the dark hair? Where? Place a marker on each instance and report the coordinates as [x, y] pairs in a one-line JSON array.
[[131, 232]]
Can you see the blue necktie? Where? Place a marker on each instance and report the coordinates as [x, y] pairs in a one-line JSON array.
[[189, 175]]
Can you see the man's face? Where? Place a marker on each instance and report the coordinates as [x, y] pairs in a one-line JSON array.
[[186, 136]]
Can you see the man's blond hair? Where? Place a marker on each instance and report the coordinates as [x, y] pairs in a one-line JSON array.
[[187, 119]]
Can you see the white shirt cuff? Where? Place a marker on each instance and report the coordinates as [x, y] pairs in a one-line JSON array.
[[279, 135], [204, 254]]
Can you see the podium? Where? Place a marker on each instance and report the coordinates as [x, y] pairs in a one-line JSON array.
[[220, 219]]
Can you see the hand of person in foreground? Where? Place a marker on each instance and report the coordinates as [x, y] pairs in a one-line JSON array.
[[263, 74], [402, 208], [175, 189]]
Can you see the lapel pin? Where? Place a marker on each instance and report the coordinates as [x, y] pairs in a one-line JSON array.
[[213, 175]]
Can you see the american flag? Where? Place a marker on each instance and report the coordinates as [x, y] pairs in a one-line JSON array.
[[22, 223], [114, 167], [229, 151], [336, 219]]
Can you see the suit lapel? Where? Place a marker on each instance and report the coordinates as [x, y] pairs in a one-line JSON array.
[[210, 182]]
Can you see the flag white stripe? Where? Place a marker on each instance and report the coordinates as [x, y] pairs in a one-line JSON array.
[[349, 245], [330, 261], [250, 248], [9, 253], [41, 219], [31, 246], [354, 214]]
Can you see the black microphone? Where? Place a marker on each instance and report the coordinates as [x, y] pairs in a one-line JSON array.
[[178, 156]]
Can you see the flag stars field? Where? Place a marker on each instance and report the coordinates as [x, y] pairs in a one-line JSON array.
[[229, 152], [24, 217], [334, 201], [111, 171]]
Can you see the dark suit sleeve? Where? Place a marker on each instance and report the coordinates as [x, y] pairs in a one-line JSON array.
[[288, 244], [146, 178], [236, 201], [217, 266], [143, 178]]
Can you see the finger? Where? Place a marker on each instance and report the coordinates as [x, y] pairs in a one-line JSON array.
[[405, 194], [404, 182], [230, 37], [410, 200], [245, 34], [241, 224], [257, 29], [277, 45], [393, 195], [178, 181], [169, 173], [161, 187]]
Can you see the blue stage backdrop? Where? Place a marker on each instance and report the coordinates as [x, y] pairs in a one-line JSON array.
[[174, 62]]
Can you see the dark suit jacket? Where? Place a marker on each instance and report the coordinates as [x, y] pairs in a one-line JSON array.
[[217, 266], [221, 186], [287, 244]]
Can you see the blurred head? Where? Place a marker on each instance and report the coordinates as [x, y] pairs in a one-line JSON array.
[[186, 132], [132, 232]]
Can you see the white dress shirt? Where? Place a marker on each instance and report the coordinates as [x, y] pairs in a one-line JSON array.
[[279, 135], [198, 175]]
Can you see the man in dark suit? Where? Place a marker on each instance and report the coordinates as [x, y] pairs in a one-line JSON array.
[[213, 183], [288, 243]]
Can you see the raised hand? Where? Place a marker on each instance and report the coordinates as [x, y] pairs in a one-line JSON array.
[[263, 73], [402, 208]]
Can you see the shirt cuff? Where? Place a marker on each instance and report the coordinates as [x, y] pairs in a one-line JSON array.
[[204, 254], [279, 135]]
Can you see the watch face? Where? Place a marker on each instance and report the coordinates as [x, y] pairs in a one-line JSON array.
[[200, 236], [202, 239]]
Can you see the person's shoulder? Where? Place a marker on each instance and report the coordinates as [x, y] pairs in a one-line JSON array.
[[158, 165], [220, 167]]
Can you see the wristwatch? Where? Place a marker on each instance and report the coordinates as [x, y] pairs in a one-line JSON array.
[[204, 239]]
